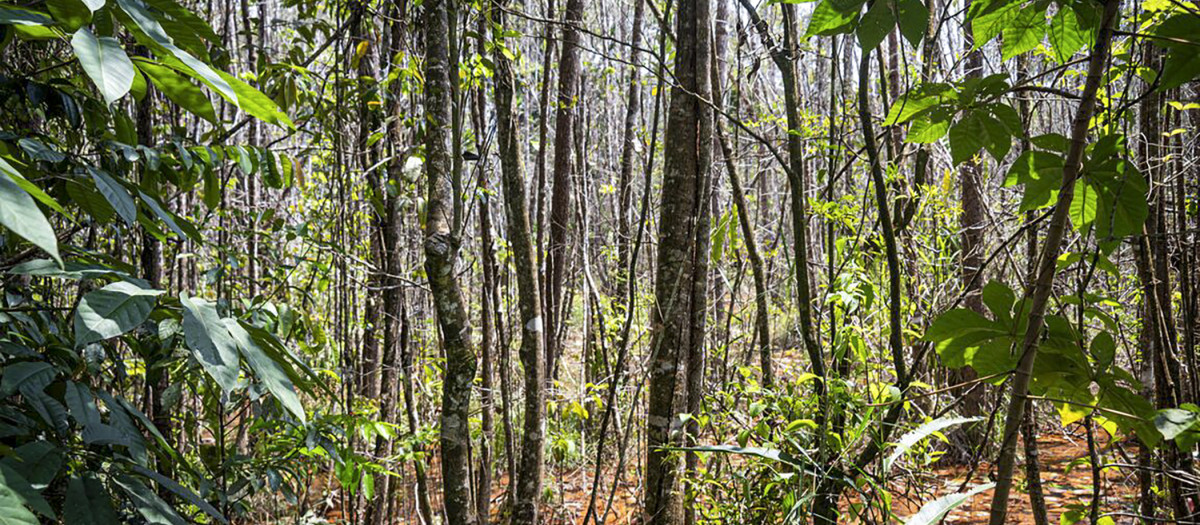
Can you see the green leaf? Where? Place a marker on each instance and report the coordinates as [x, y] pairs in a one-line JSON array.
[[1180, 67], [30, 187], [935, 511], [930, 129], [19, 214], [151, 28], [997, 139], [183, 492], [989, 18], [913, 18], [116, 195], [70, 14], [148, 504], [88, 503], [1066, 37], [917, 434], [967, 137], [210, 341], [1024, 33], [267, 370], [105, 62], [36, 461], [179, 89], [827, 20], [23, 17], [18, 375], [1041, 174], [1104, 350], [112, 311], [255, 103], [24, 491], [12, 508], [959, 333], [875, 25]]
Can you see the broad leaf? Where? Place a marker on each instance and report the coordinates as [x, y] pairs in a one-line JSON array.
[[88, 503], [24, 491], [116, 195], [828, 20], [179, 89], [267, 370], [112, 311], [1172, 422], [105, 62], [148, 504], [875, 25], [21, 215], [210, 341]]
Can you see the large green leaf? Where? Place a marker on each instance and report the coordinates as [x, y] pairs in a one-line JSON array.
[[210, 341], [148, 504], [828, 20], [913, 19], [183, 492], [990, 17], [70, 14], [17, 375], [112, 311], [12, 508], [179, 89], [1172, 422], [255, 103], [23, 17], [1066, 37], [21, 215], [1024, 33], [875, 25], [116, 195], [149, 26], [1041, 174], [967, 137], [26, 492], [36, 461], [267, 370], [105, 62], [88, 503]]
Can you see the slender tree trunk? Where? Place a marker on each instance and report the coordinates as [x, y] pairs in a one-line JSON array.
[[561, 192], [628, 141], [441, 254], [676, 330], [520, 240], [1040, 289]]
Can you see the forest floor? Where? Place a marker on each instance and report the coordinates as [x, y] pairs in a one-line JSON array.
[[1067, 484]]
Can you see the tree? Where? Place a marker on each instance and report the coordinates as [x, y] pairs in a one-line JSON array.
[[529, 474], [441, 254], [676, 330]]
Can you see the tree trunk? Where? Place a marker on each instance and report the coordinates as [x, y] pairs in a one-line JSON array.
[[1040, 289], [561, 191], [675, 326], [529, 475], [441, 254]]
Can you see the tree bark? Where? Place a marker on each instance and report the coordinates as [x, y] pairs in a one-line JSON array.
[[529, 475], [441, 254], [561, 191], [676, 330]]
